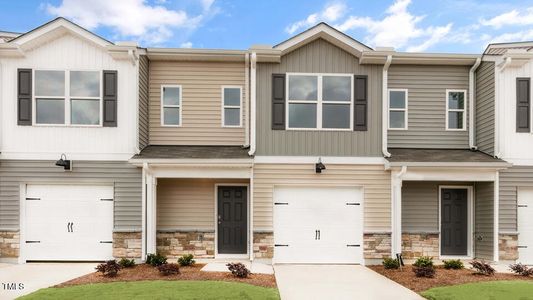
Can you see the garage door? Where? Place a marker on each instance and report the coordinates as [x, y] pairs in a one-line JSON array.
[[525, 226], [68, 222], [318, 225]]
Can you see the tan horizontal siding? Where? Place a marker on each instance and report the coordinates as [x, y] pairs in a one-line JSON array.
[[373, 178], [201, 104], [510, 180], [484, 226]]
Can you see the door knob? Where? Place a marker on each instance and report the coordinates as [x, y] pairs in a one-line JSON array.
[[219, 219]]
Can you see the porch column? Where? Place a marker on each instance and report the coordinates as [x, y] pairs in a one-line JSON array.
[[151, 213], [396, 197], [496, 216]]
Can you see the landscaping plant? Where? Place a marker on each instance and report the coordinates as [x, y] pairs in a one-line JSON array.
[[186, 260], [156, 260], [521, 269], [391, 263], [126, 263], [423, 267], [482, 267], [238, 269], [110, 268], [169, 269], [453, 264], [424, 261]]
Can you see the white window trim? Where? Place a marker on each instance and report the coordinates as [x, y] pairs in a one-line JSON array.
[[67, 98], [405, 109], [180, 106], [319, 102], [223, 106], [464, 110]]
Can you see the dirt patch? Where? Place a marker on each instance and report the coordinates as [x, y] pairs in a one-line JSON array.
[[443, 277], [147, 272]]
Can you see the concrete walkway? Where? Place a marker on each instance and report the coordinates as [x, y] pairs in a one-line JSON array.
[[34, 276], [337, 282]]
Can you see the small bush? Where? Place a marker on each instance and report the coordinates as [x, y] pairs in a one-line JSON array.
[[110, 268], [482, 267], [156, 260], [126, 263], [521, 269], [424, 261], [186, 260], [169, 269], [427, 271], [391, 263], [238, 269], [454, 264]]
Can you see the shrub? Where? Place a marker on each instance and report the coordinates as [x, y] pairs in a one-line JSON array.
[[126, 263], [169, 269], [110, 268], [186, 260], [424, 261], [521, 269], [391, 263], [482, 267], [156, 260], [427, 271], [238, 269], [454, 264]]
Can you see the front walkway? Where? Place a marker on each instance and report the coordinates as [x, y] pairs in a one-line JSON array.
[[337, 282], [18, 280]]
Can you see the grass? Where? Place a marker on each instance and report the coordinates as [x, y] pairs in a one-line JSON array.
[[158, 290], [494, 290]]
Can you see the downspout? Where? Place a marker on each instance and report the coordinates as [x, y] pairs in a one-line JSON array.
[[471, 87], [253, 74], [497, 114], [247, 100], [384, 110]]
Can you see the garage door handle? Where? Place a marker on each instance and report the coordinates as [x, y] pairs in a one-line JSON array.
[[522, 205], [357, 245], [523, 247], [281, 245], [281, 203], [32, 242], [106, 242], [106, 199], [33, 198], [353, 203]]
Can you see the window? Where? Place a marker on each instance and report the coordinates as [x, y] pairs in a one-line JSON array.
[[398, 105], [85, 97], [231, 106], [320, 101], [171, 105], [455, 110]]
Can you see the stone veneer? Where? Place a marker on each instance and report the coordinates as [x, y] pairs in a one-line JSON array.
[[9, 244], [415, 245], [263, 244], [377, 245], [176, 244], [508, 245], [127, 244]]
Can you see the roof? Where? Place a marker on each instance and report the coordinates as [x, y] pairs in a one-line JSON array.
[[501, 48], [192, 152], [428, 157]]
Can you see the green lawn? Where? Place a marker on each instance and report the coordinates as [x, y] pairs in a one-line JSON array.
[[494, 290], [158, 290]]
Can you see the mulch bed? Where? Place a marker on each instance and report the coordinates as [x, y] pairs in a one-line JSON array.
[[147, 272], [443, 277]]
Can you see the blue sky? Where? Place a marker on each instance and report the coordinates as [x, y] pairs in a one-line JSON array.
[[462, 26]]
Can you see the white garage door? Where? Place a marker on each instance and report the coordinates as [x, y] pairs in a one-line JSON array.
[[68, 222], [318, 225], [525, 226]]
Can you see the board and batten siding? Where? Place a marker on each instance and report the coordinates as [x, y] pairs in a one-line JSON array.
[[202, 83], [125, 178], [484, 220], [188, 204], [372, 178], [143, 101], [485, 104], [318, 56], [427, 87], [510, 181]]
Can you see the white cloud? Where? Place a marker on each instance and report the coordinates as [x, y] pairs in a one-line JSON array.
[[520, 36], [436, 35], [331, 13], [186, 45], [513, 17]]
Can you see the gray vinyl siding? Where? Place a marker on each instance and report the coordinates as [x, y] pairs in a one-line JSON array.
[[318, 57], [125, 178], [143, 101], [485, 107], [484, 220], [510, 180], [427, 87], [420, 207]]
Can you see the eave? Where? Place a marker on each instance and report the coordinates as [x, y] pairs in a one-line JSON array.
[[176, 54]]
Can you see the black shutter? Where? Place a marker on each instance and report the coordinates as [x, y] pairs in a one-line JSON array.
[[360, 103], [278, 101], [523, 104], [24, 86], [110, 98]]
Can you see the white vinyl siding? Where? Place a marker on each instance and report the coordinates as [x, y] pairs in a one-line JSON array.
[[398, 109], [231, 106], [171, 98], [456, 110]]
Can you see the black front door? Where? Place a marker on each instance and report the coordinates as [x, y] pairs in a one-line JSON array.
[[232, 219], [454, 222]]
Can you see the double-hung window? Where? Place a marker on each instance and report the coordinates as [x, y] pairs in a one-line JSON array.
[[320, 101], [398, 109], [171, 105], [231, 106], [456, 110]]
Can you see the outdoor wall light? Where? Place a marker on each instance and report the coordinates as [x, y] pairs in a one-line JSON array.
[[319, 166], [64, 162]]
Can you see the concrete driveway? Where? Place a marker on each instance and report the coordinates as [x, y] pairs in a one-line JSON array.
[[18, 280], [337, 282]]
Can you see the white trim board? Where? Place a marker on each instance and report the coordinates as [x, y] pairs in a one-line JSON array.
[[325, 159]]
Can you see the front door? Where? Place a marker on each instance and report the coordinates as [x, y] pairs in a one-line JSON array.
[[454, 221], [232, 219]]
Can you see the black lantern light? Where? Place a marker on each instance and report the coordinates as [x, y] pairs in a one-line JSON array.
[[319, 166], [64, 162]]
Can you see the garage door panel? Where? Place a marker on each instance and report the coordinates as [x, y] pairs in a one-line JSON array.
[[525, 225]]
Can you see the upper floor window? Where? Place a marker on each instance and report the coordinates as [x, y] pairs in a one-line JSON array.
[[398, 103], [171, 105], [456, 110], [320, 101], [231, 106]]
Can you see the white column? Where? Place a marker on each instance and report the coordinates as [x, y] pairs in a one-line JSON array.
[[396, 198], [496, 216], [151, 214], [143, 217]]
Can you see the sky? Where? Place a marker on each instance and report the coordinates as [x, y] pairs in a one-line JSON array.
[[458, 26]]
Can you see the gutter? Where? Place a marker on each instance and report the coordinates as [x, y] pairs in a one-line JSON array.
[[247, 100], [471, 123], [253, 67], [384, 110]]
